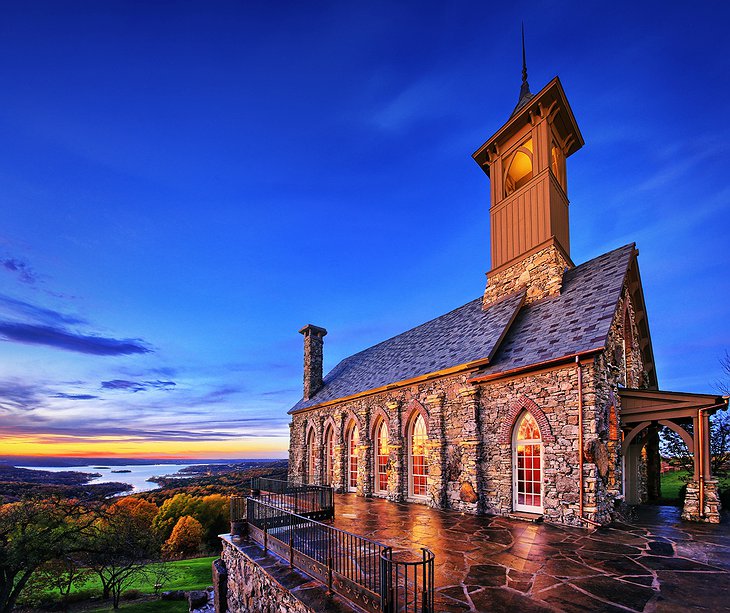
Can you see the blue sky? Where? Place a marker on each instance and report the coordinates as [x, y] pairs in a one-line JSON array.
[[185, 184]]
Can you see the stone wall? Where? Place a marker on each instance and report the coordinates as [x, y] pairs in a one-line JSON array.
[[252, 589], [620, 364], [541, 273], [470, 452], [691, 509]]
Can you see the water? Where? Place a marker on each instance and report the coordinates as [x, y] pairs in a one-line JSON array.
[[137, 477]]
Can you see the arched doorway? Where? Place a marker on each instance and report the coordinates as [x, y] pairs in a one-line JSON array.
[[311, 457], [417, 467], [329, 456], [381, 458], [353, 440], [527, 465]]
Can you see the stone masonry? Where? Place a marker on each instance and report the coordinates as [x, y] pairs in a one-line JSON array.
[[541, 273], [470, 429]]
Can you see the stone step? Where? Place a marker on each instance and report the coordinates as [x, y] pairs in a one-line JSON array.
[[530, 517]]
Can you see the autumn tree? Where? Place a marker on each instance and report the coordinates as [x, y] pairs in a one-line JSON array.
[[185, 539], [35, 532], [123, 546], [211, 511]]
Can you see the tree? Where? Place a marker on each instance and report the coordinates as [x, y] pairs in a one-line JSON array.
[[172, 510], [673, 446], [62, 574], [33, 533], [186, 538], [215, 518], [123, 547]]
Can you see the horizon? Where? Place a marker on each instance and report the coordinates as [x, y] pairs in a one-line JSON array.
[[187, 185]]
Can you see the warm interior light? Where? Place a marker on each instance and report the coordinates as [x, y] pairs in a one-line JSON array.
[[520, 168]]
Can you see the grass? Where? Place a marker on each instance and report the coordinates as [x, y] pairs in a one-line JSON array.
[[148, 606], [674, 479], [194, 574]]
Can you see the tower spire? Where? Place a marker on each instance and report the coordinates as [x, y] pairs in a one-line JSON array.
[[525, 93]]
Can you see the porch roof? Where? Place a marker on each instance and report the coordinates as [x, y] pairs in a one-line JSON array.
[[639, 405]]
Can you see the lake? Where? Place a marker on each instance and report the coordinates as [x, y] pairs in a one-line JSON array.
[[137, 477]]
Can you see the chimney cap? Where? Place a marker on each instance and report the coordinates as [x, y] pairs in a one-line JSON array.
[[310, 329]]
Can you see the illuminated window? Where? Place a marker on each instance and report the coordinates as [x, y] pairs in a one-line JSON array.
[[329, 450], [353, 440], [381, 457], [519, 171], [311, 457], [527, 465], [417, 458]]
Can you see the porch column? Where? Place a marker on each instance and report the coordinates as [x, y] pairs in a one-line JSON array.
[[436, 450], [396, 480], [702, 482]]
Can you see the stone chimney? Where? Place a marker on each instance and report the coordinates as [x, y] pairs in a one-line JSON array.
[[313, 343]]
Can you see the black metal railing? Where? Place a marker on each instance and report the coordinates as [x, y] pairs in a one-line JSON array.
[[362, 570], [312, 501], [407, 581]]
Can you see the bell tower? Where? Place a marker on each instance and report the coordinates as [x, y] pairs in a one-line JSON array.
[[525, 162]]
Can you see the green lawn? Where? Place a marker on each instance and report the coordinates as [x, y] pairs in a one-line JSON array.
[[674, 479], [150, 606], [671, 482], [195, 574]]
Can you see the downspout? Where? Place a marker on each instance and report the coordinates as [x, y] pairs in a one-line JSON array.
[[701, 462], [580, 445]]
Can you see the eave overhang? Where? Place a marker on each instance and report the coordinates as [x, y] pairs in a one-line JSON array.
[[549, 99], [640, 405]]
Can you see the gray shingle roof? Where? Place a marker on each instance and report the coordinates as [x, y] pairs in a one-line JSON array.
[[575, 321], [464, 335]]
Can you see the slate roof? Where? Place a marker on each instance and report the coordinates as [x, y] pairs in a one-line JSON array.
[[577, 320]]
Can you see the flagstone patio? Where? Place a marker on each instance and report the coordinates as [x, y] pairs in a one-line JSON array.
[[658, 563]]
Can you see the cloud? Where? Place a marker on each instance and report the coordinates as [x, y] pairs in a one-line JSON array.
[[25, 273], [16, 395], [136, 386], [74, 396], [14, 307], [59, 338]]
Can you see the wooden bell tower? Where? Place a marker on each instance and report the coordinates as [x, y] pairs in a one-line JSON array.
[[525, 161]]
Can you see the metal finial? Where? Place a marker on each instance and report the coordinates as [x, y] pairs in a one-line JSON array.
[[525, 93], [524, 60]]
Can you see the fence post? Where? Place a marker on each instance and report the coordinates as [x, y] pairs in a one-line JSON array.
[[291, 542], [266, 530], [329, 562], [386, 580], [296, 501]]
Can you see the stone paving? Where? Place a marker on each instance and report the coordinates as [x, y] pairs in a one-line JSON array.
[[656, 563]]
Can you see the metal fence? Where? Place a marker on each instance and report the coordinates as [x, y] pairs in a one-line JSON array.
[[312, 501], [363, 571], [407, 581]]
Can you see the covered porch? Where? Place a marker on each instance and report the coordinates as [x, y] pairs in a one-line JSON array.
[[643, 411]]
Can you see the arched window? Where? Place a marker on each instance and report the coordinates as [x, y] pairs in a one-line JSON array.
[[381, 457], [417, 467], [329, 456], [353, 440], [527, 479], [519, 170], [311, 457]]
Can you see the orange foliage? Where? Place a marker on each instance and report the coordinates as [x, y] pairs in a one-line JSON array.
[[186, 538]]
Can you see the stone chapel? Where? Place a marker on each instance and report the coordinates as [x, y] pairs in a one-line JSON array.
[[539, 398]]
